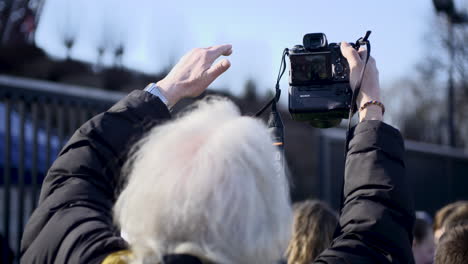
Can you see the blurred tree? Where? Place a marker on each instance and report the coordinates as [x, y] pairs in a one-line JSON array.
[[250, 91], [422, 97], [69, 41], [118, 55], [68, 27], [101, 49], [269, 94]]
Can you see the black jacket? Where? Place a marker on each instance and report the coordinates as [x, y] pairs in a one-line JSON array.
[[73, 222], [377, 217]]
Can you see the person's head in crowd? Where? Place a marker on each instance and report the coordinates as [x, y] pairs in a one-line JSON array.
[[313, 227], [453, 246], [423, 239], [458, 216], [450, 213], [206, 185]]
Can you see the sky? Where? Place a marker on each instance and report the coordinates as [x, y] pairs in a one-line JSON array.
[[157, 33]]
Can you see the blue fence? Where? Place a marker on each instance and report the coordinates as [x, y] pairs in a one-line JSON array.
[[37, 118]]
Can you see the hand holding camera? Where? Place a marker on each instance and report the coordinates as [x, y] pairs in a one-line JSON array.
[[370, 87], [323, 77]]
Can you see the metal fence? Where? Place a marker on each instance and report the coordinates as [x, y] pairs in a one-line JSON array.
[[437, 174], [37, 118]]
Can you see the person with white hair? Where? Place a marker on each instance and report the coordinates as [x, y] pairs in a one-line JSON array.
[[218, 183], [199, 189], [203, 188]]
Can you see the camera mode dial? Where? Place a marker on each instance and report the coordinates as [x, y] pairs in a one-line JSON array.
[[339, 69], [297, 49]]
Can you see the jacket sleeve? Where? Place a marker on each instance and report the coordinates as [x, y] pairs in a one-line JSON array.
[[73, 221], [377, 216]]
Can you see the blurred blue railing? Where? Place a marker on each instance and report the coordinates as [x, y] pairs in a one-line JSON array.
[[37, 117], [437, 174]]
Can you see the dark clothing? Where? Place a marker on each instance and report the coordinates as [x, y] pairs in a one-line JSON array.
[[377, 217], [181, 258], [6, 254], [73, 223]]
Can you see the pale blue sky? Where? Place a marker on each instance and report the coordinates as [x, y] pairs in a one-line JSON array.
[[157, 33]]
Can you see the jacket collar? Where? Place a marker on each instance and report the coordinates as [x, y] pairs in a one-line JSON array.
[[181, 259]]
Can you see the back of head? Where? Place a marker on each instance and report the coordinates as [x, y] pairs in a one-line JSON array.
[[448, 215], [458, 215], [313, 228], [445, 211], [206, 185], [453, 246]]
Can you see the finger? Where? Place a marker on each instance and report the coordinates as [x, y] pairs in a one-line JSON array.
[[350, 54], [228, 53], [216, 70], [219, 50]]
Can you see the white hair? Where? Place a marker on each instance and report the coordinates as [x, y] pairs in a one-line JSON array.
[[205, 184]]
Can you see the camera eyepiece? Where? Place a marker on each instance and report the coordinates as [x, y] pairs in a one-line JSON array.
[[314, 41]]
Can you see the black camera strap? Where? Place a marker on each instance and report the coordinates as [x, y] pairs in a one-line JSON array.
[[354, 108], [360, 42], [275, 99], [275, 123]]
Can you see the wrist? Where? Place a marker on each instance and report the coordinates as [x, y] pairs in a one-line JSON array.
[[371, 112], [169, 91], [366, 97]]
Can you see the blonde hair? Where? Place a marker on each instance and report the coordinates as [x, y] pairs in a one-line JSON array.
[[314, 224], [205, 184]]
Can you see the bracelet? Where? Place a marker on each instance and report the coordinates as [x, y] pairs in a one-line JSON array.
[[373, 102]]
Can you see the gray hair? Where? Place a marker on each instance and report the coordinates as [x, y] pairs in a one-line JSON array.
[[205, 184]]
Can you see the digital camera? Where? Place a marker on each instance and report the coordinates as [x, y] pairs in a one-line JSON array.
[[319, 92]]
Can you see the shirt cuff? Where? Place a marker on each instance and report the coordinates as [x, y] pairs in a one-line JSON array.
[[153, 89]]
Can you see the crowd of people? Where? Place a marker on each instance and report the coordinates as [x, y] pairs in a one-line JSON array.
[[135, 185], [450, 230], [442, 239]]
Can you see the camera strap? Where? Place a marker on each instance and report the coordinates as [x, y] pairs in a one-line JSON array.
[[275, 123], [360, 42], [354, 108], [274, 100]]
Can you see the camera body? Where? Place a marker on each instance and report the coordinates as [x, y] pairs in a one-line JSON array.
[[319, 91]]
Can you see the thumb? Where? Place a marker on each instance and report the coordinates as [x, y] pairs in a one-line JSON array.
[[216, 70]]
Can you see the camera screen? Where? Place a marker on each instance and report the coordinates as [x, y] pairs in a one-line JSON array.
[[310, 68]]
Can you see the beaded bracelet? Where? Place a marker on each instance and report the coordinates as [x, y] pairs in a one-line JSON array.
[[373, 102]]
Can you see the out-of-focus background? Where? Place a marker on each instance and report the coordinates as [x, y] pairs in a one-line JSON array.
[[63, 61]]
